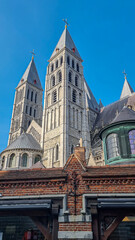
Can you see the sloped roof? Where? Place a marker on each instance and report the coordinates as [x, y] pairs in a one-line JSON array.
[[31, 76], [90, 99], [125, 114], [24, 141], [127, 89], [66, 41], [108, 113]]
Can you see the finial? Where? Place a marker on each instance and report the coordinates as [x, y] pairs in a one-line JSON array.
[[33, 54], [66, 23], [125, 75]]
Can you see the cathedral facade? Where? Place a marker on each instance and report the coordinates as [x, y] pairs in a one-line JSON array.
[[70, 116]]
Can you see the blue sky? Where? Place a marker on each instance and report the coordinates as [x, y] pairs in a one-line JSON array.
[[103, 31]]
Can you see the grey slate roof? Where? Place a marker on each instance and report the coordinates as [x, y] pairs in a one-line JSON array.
[[90, 99], [24, 141], [66, 41], [31, 75], [108, 113], [127, 90], [126, 114]]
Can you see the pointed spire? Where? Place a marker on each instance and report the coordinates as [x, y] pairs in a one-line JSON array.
[[66, 41], [127, 89], [31, 75], [100, 104]]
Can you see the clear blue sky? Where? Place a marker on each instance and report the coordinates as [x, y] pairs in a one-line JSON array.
[[103, 31]]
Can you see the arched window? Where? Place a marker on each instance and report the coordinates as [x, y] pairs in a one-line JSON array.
[[52, 67], [132, 141], [112, 144], [37, 158], [60, 93], [32, 96], [77, 119], [54, 96], [51, 126], [26, 111], [60, 76], [48, 99], [74, 96], [30, 111], [36, 98], [53, 81], [70, 77], [69, 115], [77, 67], [34, 113], [76, 81], [28, 92], [61, 60], [56, 64], [72, 149], [12, 161], [24, 160], [73, 63], [68, 60], [57, 152]]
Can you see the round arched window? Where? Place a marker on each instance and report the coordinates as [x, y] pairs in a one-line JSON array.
[[112, 143], [12, 161], [24, 160], [132, 141], [37, 158]]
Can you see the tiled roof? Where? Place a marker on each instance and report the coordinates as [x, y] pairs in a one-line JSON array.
[[66, 41], [31, 76], [108, 113], [125, 114], [24, 141], [28, 174]]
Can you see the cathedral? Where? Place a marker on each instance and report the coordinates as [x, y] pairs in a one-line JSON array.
[[46, 135]]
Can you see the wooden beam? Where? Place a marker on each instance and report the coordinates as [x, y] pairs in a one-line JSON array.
[[55, 227], [44, 230], [112, 227]]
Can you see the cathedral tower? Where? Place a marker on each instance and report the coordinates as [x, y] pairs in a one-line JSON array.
[[28, 102], [64, 116]]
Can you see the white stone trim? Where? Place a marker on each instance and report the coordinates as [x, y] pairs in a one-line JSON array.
[[75, 234]]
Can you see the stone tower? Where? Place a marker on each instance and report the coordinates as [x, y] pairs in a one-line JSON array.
[[27, 103], [65, 118]]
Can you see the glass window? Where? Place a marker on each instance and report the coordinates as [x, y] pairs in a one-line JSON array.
[[31, 96], [52, 67], [77, 67], [37, 158], [61, 60], [70, 77], [53, 80], [36, 98], [73, 63], [28, 94], [26, 110], [68, 60], [76, 81], [132, 141], [56, 64], [54, 95], [72, 149], [74, 95], [60, 76], [34, 113], [12, 161], [112, 142], [30, 111], [24, 160]]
